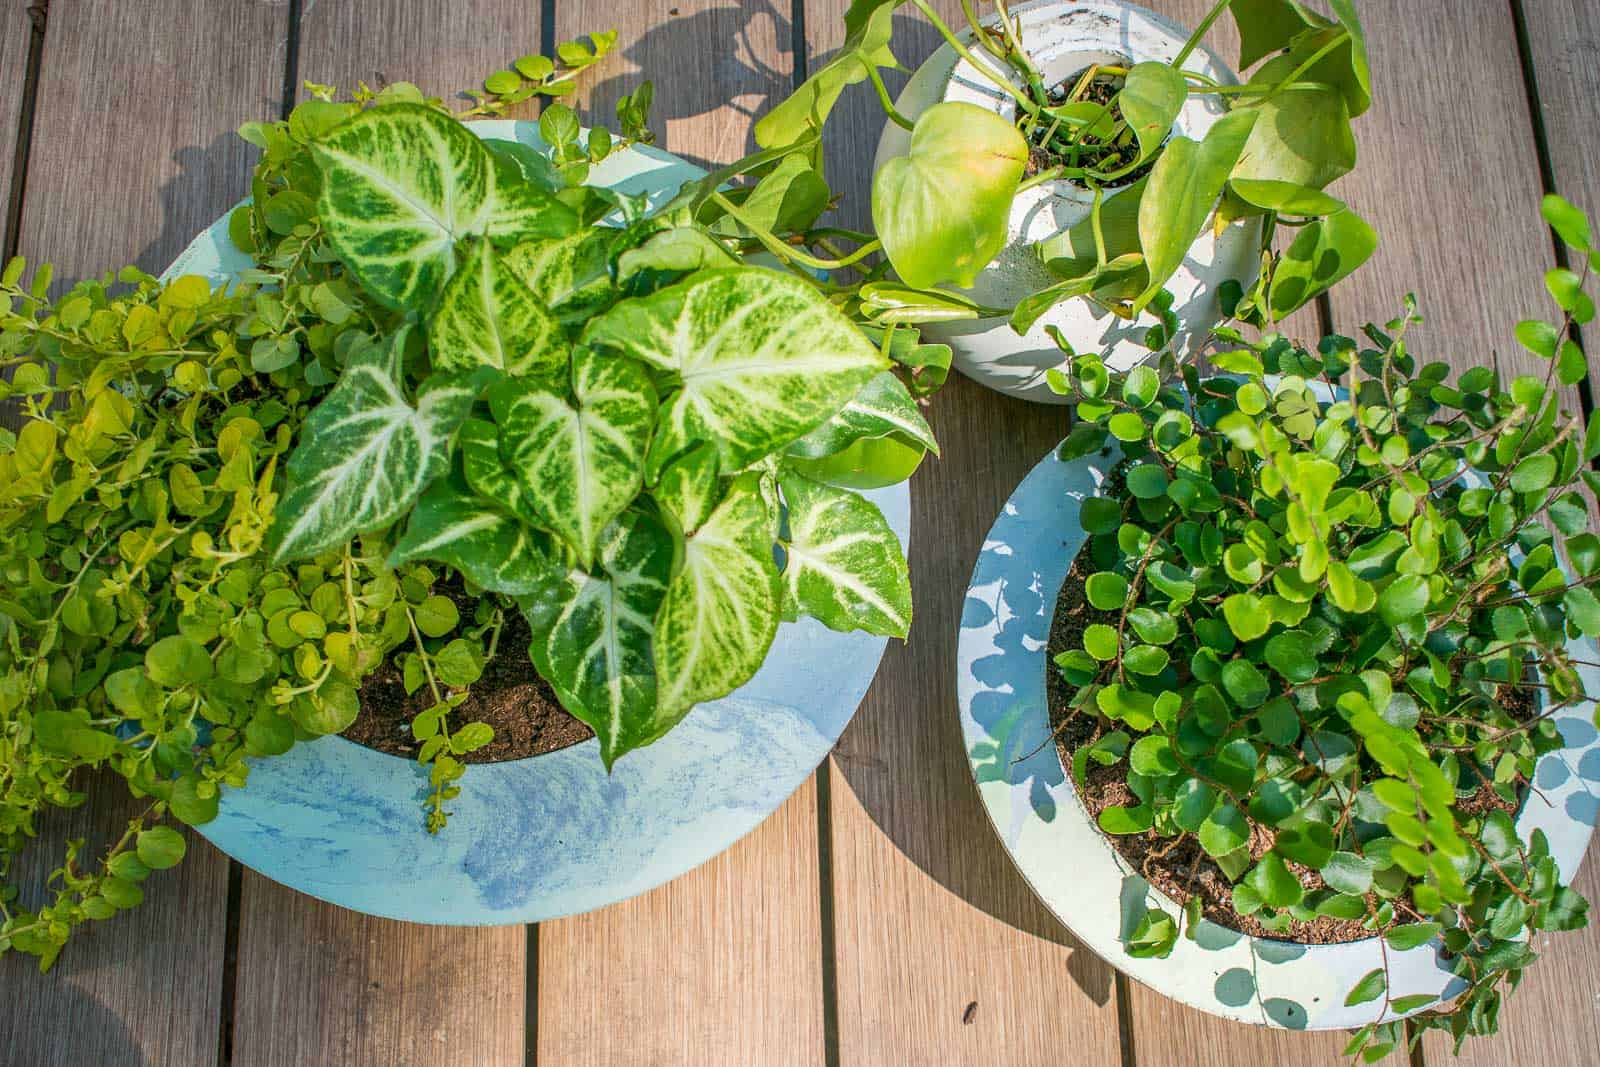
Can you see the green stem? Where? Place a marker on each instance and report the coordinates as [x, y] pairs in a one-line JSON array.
[[888, 104], [1004, 84], [788, 253], [1199, 32]]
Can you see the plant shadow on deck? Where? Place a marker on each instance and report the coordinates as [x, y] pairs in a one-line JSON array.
[[726, 52], [902, 756]]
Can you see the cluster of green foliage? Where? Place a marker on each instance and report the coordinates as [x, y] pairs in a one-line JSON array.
[[1332, 573], [142, 629], [600, 413], [941, 210]]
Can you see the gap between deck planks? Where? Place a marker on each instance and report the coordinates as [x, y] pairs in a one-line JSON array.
[[132, 153]]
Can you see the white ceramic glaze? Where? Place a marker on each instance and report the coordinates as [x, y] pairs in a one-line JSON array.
[[552, 835], [1001, 664], [1063, 38]]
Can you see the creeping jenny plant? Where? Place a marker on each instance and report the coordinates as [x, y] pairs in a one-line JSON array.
[[227, 506], [1331, 571], [941, 211]]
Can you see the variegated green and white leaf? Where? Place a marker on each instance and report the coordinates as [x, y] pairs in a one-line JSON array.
[[487, 473], [487, 317], [883, 408], [760, 359], [579, 466], [402, 184], [593, 633], [721, 611], [845, 566], [690, 487], [366, 454], [570, 274], [455, 526]]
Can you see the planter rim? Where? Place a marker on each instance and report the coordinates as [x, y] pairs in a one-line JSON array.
[[1029, 796], [553, 834]]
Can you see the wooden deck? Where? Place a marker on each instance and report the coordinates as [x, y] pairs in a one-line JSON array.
[[874, 919]]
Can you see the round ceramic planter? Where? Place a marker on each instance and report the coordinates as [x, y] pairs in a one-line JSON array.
[[1005, 721], [1062, 38], [551, 835]]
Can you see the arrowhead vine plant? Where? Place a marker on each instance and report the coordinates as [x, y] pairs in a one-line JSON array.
[[1336, 610], [226, 506], [941, 211]]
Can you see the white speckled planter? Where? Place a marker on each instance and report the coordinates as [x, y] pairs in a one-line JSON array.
[[1001, 665], [537, 838], [1063, 38]]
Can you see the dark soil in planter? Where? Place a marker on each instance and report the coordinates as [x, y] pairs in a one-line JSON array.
[[527, 717], [1185, 869], [1101, 90]]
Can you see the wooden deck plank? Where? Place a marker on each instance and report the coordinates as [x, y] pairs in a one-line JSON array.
[[406, 993], [133, 152], [16, 30], [931, 915], [1449, 175], [320, 984], [723, 965], [1563, 36]]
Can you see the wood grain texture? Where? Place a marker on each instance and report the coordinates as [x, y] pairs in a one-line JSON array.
[[133, 152], [444, 48], [722, 966], [16, 28], [1563, 38], [16, 32], [402, 993], [1448, 174], [327, 985]]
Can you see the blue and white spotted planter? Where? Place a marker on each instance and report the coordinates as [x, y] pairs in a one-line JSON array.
[[552, 835], [1005, 723]]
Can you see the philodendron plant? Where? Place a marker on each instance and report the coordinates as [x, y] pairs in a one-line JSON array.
[[227, 505], [941, 211], [1339, 591], [626, 427]]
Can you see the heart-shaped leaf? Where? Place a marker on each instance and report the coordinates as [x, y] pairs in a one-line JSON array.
[[1321, 254], [569, 274], [366, 453], [1301, 136], [721, 610], [487, 317], [1151, 97], [1182, 190], [593, 634], [844, 565], [579, 464], [455, 526], [402, 184], [868, 28], [942, 210], [883, 408], [756, 359]]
